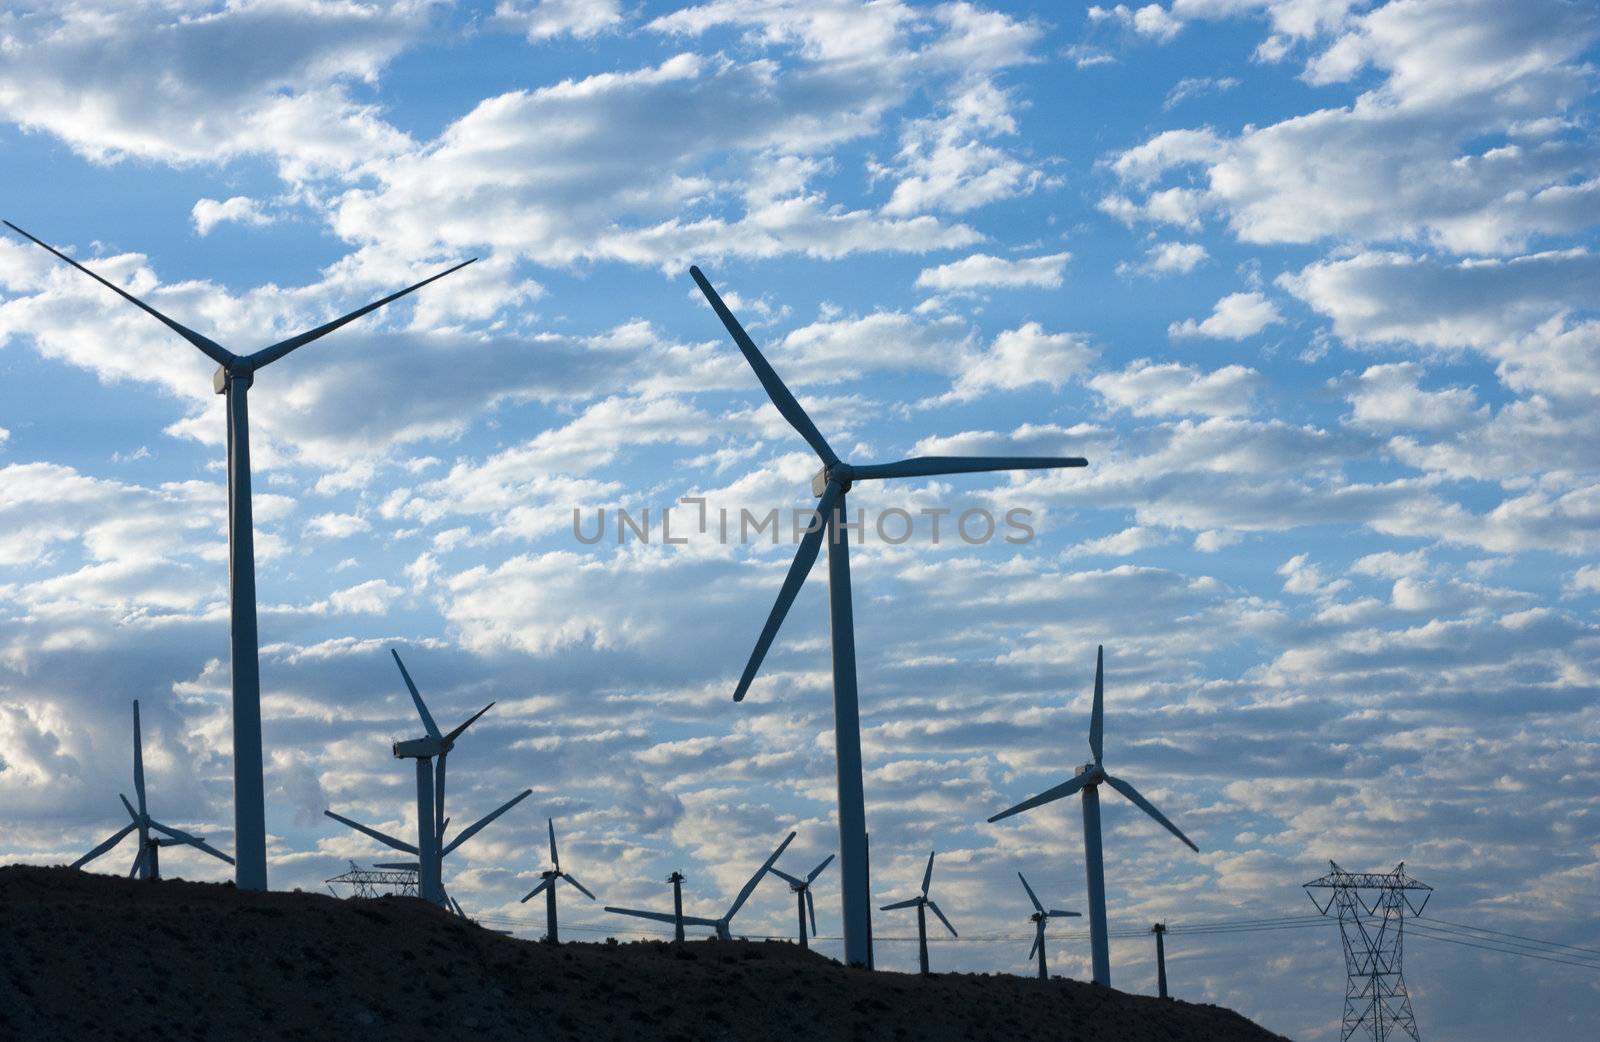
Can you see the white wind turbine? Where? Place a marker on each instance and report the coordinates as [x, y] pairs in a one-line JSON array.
[[923, 904], [147, 863], [1040, 917], [1087, 781], [802, 892], [551, 876], [830, 486], [233, 378], [430, 847]]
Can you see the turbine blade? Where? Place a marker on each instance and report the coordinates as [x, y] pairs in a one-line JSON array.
[[804, 558], [1038, 935], [456, 905], [928, 466], [927, 874], [213, 350], [477, 826], [131, 813], [750, 887], [786, 403], [910, 902], [422, 709], [553, 859], [138, 859], [1031, 896], [1066, 788], [1097, 719], [381, 837], [536, 891], [811, 908], [138, 758], [194, 841], [267, 355], [439, 820], [1056, 914], [787, 878], [934, 908], [1150, 809], [453, 735], [815, 872], [116, 838], [569, 877], [660, 917]]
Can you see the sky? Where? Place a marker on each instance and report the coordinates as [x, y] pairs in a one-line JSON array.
[[1310, 283]]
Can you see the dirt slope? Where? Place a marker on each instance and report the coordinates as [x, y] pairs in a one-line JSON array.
[[91, 956]]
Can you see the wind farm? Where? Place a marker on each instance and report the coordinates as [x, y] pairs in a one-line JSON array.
[[1194, 402]]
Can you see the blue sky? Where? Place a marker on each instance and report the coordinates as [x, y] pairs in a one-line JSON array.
[[1311, 284]]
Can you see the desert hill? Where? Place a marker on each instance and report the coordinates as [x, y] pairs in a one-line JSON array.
[[89, 956]]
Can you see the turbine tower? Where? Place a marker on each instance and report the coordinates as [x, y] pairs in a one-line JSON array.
[[147, 863], [1088, 780], [830, 485], [802, 892], [922, 903], [430, 847], [234, 375], [1040, 917], [548, 885], [721, 926]]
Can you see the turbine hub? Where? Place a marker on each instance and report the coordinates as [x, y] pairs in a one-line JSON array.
[[839, 472], [224, 378]]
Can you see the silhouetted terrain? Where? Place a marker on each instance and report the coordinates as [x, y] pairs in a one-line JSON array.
[[91, 956]]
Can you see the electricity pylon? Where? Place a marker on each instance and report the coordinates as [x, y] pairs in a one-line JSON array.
[[1371, 908]]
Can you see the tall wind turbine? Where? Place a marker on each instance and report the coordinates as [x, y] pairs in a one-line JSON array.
[[922, 903], [147, 863], [802, 892], [1087, 781], [548, 885], [234, 375], [1040, 917], [721, 926], [430, 847], [830, 485]]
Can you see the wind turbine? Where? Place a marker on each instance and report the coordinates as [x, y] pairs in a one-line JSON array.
[[147, 863], [430, 847], [802, 892], [831, 485], [1087, 781], [234, 375], [720, 926], [922, 902], [548, 885], [1040, 917]]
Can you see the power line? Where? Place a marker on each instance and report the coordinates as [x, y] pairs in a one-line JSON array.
[[1518, 936]]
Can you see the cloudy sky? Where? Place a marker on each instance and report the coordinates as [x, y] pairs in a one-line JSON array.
[[1311, 283]]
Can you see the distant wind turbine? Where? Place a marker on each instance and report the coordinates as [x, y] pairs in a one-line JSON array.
[[802, 892], [147, 863], [1040, 917], [430, 847], [1088, 780], [721, 926], [923, 904], [551, 876], [830, 485], [234, 375]]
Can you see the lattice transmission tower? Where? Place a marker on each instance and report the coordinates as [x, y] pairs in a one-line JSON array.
[[376, 881], [1371, 908]]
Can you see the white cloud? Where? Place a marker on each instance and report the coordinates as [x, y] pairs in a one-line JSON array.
[[982, 271], [1125, 543], [1193, 86], [1023, 357], [1235, 317], [1167, 258], [239, 209], [1387, 397], [369, 598], [1148, 388], [1390, 564], [544, 19]]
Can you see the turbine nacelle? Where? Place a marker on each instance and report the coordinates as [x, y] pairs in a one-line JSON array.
[[417, 748]]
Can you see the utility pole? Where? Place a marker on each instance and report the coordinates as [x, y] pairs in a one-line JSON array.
[[1371, 908], [1160, 930], [676, 879]]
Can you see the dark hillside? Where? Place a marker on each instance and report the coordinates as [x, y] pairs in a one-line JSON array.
[[88, 956]]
